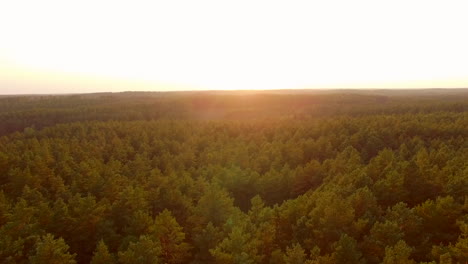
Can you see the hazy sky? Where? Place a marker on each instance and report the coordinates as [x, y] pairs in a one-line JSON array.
[[85, 46]]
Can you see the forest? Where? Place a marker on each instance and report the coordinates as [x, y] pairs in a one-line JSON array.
[[235, 177]]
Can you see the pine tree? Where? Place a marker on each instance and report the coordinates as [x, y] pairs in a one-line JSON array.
[[102, 255], [295, 255], [143, 251], [398, 254], [346, 251], [52, 251], [207, 239], [171, 238], [238, 248]]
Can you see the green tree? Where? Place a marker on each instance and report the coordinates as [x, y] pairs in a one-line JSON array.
[[51, 251], [382, 235], [295, 255], [102, 255], [207, 239], [346, 251], [237, 248], [171, 239], [214, 206], [144, 251], [398, 254]]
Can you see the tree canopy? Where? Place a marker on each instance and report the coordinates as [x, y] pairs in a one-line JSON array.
[[234, 178]]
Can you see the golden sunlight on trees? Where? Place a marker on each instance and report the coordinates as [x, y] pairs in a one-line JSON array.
[[275, 178]]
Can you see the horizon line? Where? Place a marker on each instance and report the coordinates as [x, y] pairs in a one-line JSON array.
[[237, 90]]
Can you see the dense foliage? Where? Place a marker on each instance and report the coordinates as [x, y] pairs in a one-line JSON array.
[[229, 178]]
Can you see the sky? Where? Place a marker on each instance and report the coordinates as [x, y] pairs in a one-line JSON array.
[[82, 46]]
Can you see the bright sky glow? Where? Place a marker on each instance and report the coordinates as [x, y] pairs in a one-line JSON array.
[[65, 46]]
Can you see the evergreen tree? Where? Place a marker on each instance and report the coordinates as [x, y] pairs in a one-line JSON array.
[[102, 255], [346, 251], [51, 251], [295, 255], [144, 251], [237, 248], [398, 254], [171, 239]]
